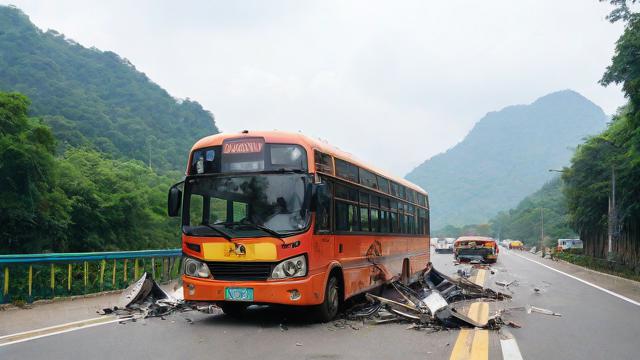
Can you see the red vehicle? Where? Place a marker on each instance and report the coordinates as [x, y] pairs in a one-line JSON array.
[[281, 218], [476, 249]]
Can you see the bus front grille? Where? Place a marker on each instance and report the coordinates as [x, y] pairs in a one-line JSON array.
[[239, 271]]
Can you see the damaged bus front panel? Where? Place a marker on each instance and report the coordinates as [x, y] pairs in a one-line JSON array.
[[476, 249], [278, 218]]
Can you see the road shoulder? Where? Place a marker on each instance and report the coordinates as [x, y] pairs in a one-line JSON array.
[[625, 287]]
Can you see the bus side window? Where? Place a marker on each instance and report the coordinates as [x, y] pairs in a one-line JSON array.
[[323, 209]]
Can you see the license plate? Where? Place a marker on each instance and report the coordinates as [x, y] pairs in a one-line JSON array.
[[238, 294]]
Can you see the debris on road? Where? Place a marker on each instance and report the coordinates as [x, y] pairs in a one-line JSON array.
[[143, 299], [513, 324], [531, 309], [465, 273], [436, 301], [506, 283]]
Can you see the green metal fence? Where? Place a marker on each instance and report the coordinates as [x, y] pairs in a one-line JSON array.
[[30, 277]]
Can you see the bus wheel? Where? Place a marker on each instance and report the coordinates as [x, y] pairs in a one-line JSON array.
[[233, 309], [329, 308]]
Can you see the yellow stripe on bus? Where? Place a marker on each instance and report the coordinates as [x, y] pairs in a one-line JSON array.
[[227, 252]]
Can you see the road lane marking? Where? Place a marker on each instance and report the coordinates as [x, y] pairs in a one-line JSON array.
[[510, 349], [581, 280], [480, 345], [472, 344], [478, 277], [481, 276], [479, 312], [54, 330], [461, 348]]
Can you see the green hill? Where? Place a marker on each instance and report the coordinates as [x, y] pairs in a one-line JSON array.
[[505, 157], [524, 221], [96, 97]]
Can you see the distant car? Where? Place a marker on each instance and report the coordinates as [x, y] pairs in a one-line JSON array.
[[444, 245], [516, 245], [566, 244], [434, 241], [476, 249]]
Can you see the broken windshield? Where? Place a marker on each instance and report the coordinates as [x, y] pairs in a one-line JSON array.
[[246, 206]]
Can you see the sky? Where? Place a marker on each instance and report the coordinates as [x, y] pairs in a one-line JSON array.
[[392, 82]]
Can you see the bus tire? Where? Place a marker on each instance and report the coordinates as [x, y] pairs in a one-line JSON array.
[[233, 309], [329, 308]]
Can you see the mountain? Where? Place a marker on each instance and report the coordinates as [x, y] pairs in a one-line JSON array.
[[96, 98], [505, 157]]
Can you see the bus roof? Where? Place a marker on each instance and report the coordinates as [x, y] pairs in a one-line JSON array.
[[309, 143]]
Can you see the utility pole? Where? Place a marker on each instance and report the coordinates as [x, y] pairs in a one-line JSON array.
[[542, 229], [613, 216]]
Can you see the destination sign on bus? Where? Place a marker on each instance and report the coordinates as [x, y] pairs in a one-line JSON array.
[[248, 155], [244, 146]]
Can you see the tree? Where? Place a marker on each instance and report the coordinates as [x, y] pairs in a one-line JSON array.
[[83, 200], [33, 211], [622, 12]]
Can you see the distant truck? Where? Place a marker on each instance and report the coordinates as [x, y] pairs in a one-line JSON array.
[[444, 245], [476, 249], [516, 245], [567, 244]]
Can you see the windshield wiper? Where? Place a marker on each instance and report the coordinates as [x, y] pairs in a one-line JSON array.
[[285, 170], [259, 227], [223, 233]]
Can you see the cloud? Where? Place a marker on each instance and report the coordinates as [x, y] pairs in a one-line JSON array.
[[393, 83]]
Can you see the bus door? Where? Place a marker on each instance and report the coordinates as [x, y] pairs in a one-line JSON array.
[[323, 246]]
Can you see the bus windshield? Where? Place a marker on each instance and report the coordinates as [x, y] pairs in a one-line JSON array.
[[246, 205]]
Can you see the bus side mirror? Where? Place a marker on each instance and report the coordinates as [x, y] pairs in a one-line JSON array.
[[174, 201]]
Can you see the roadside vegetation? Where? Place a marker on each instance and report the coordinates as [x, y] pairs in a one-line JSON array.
[[614, 151], [77, 200], [601, 265]]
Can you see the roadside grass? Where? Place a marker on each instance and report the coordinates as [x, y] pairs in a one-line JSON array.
[[601, 265]]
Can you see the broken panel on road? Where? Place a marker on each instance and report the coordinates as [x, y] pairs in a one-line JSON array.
[[436, 301]]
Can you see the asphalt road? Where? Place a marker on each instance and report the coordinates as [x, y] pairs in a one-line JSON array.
[[593, 325]]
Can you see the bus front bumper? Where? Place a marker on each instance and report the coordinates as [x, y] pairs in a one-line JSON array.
[[303, 291]]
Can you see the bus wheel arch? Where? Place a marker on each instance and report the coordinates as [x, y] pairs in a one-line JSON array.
[[337, 272], [333, 296]]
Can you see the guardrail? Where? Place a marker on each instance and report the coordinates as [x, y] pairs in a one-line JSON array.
[[30, 277]]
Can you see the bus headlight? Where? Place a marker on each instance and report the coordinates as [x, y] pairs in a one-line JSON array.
[[294, 267], [195, 268]]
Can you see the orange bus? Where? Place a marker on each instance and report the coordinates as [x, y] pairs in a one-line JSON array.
[[280, 218]]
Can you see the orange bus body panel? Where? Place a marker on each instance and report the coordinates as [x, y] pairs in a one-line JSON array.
[[366, 261]]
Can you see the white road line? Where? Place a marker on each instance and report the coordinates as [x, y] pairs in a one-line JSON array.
[[582, 281], [73, 328], [510, 349]]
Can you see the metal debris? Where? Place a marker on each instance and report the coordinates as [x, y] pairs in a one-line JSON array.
[[465, 273], [513, 324], [506, 284], [145, 298], [436, 302], [531, 309]]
